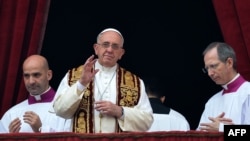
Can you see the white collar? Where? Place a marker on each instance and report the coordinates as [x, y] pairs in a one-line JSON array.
[[105, 69]]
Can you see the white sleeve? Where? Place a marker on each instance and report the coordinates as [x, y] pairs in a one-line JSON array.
[[67, 100], [221, 127], [2, 128], [245, 118]]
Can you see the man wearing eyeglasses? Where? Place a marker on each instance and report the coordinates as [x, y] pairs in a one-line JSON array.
[[230, 105], [101, 96]]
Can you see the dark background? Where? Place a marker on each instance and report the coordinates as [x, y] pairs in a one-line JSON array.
[[162, 38]]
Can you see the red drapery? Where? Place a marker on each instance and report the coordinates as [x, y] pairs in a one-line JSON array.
[[141, 136], [22, 26], [233, 17]]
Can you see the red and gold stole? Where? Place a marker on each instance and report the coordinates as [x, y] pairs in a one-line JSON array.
[[128, 94]]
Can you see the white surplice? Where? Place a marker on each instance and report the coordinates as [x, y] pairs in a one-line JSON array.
[[174, 121], [231, 103], [2, 128], [50, 122]]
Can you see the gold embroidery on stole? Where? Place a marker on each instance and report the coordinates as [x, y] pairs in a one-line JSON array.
[[128, 91], [128, 95], [81, 121]]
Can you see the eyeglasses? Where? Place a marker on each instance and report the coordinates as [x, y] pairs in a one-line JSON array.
[[210, 67], [107, 45]]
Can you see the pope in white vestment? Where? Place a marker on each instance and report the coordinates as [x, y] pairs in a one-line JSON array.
[[136, 118], [101, 96]]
